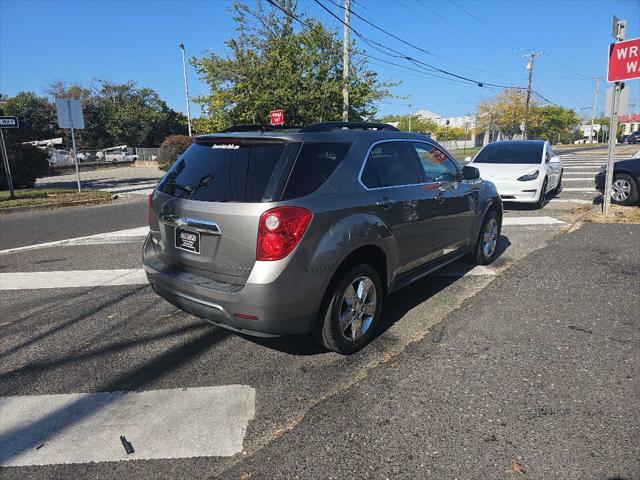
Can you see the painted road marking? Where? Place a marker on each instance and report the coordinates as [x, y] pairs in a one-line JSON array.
[[86, 427], [581, 179], [120, 236], [71, 279], [104, 278], [570, 200], [508, 221], [565, 189], [134, 186]]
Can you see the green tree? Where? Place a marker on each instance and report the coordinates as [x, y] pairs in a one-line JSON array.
[[37, 116], [553, 123], [172, 147], [504, 112], [273, 64]]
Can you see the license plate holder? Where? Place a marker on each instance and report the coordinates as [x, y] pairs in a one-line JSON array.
[[188, 240]]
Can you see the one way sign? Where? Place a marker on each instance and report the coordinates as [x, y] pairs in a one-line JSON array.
[[9, 122], [624, 61]]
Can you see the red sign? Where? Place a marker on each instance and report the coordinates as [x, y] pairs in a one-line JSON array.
[[624, 60], [634, 117], [277, 117]]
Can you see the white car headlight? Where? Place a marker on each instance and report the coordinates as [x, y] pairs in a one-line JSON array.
[[529, 176]]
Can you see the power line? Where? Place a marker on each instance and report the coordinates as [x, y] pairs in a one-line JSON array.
[[474, 37], [355, 14], [411, 59], [482, 22], [425, 51]]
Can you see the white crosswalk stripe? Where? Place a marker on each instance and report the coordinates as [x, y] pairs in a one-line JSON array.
[[159, 424]]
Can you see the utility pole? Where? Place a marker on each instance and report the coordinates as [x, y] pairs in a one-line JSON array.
[[531, 57], [593, 112], [410, 115], [186, 86], [345, 62]]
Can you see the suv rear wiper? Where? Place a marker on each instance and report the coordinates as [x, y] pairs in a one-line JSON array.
[[191, 189]]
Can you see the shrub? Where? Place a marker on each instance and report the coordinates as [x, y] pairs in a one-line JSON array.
[[27, 163], [172, 147]]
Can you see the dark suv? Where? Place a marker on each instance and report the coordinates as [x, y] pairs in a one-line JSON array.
[[275, 232]]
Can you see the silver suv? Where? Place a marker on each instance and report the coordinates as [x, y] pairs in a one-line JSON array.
[[275, 232]]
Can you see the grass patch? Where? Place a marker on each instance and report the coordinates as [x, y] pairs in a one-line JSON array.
[[54, 197], [460, 154], [618, 214]]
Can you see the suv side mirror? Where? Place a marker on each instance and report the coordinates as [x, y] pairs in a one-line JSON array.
[[470, 173], [467, 159]]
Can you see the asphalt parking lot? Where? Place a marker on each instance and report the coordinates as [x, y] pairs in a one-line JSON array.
[[516, 369]]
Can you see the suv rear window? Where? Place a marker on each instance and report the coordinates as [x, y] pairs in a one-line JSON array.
[[222, 172], [314, 165]]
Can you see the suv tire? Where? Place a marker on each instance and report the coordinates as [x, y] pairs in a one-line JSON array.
[[625, 190], [356, 297], [486, 249]]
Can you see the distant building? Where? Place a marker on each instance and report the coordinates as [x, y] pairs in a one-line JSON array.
[[629, 123]]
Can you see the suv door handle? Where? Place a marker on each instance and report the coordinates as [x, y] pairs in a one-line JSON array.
[[385, 203]]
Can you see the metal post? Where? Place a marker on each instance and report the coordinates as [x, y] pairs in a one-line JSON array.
[[345, 62], [593, 112], [75, 156], [612, 148], [410, 115], [7, 169], [186, 86]]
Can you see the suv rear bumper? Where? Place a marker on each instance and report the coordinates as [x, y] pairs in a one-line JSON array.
[[282, 307]]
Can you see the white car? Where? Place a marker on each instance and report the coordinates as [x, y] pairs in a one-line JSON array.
[[523, 171]]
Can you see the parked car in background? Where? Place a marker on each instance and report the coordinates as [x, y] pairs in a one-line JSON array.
[[275, 232], [634, 137], [523, 171], [626, 181], [624, 139]]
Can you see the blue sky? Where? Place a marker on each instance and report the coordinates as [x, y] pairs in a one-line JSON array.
[[138, 40]]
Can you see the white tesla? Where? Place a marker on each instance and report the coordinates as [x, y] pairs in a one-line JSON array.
[[523, 171]]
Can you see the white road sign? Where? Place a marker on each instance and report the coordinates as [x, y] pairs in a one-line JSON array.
[[69, 113], [623, 102]]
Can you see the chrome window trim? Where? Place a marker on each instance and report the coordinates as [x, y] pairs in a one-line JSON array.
[[386, 140]]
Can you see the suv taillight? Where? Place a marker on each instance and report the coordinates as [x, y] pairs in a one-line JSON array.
[[279, 231], [149, 199]]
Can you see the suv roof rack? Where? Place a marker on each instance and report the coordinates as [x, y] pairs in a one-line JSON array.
[[259, 128], [329, 126]]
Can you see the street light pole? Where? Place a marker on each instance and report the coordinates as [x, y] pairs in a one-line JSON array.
[[186, 86]]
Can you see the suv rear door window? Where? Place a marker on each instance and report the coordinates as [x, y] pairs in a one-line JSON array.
[[314, 165], [390, 164], [222, 172]]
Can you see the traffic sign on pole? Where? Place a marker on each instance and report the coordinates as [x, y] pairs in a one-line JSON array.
[[624, 61], [7, 122], [623, 64], [70, 116]]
